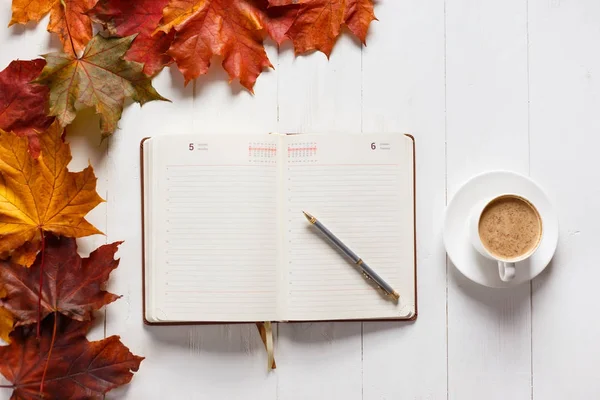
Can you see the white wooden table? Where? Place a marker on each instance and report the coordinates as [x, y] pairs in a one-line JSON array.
[[482, 85]]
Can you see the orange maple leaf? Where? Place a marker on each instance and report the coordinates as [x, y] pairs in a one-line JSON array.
[[67, 19], [41, 194], [7, 320], [235, 29], [232, 29], [317, 23]]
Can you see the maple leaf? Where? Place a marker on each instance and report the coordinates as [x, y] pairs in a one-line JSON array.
[[41, 194], [232, 29], [23, 105], [101, 78], [67, 19], [6, 320], [76, 367], [6, 324], [318, 23], [124, 18], [72, 286]]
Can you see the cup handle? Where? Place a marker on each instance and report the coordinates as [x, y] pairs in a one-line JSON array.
[[506, 270]]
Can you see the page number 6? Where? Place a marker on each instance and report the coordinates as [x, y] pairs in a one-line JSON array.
[[373, 147]]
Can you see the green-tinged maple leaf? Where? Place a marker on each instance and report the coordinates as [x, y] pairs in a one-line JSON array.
[[77, 368], [141, 17], [101, 78]]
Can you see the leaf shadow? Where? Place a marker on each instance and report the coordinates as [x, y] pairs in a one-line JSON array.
[[54, 42], [216, 75], [84, 135], [21, 29], [177, 81], [119, 392]]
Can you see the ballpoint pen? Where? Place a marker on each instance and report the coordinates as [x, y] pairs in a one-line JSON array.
[[367, 272]]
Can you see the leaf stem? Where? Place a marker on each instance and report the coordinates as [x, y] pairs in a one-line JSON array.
[[64, 6], [39, 318], [49, 354], [7, 386]]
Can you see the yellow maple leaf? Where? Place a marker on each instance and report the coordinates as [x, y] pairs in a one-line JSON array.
[[7, 321], [41, 194]]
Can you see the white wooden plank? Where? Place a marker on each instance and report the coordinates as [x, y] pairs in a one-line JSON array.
[[489, 331], [317, 95], [565, 99], [320, 360], [403, 91]]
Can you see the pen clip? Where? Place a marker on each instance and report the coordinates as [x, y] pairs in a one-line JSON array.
[[368, 278]]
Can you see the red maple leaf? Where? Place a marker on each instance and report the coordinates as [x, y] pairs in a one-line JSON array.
[[24, 105], [71, 286], [71, 368], [124, 18]]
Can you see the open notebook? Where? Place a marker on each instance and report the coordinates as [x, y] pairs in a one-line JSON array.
[[225, 239]]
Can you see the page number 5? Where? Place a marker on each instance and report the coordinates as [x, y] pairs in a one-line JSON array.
[[373, 147], [191, 146]]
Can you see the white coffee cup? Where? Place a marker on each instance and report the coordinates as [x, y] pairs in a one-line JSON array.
[[506, 266]]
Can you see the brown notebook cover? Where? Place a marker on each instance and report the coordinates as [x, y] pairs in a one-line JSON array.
[[258, 323]]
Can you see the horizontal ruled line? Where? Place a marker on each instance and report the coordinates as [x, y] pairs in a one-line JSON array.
[[216, 165], [346, 165], [220, 291]]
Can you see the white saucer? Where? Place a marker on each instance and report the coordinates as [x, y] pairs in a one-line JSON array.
[[456, 236]]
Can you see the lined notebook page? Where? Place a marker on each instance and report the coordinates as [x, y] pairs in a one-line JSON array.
[[214, 220], [361, 188]]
